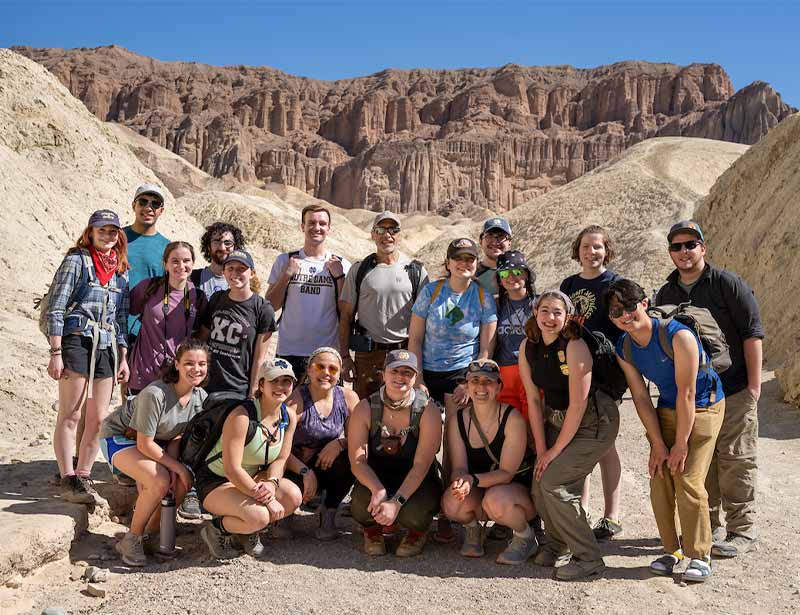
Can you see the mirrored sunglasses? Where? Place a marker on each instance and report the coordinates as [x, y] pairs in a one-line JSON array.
[[153, 203], [382, 230], [505, 273], [329, 369]]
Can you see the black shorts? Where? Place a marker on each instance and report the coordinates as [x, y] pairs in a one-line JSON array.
[[443, 383], [205, 481], [76, 350]]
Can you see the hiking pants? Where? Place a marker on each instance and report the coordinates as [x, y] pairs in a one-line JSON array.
[[417, 513], [731, 481], [687, 490], [557, 495]]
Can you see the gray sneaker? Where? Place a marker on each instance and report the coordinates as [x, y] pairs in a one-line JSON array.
[[190, 508], [251, 543], [518, 550], [718, 534], [77, 490], [218, 544], [131, 550], [733, 545], [473, 540]]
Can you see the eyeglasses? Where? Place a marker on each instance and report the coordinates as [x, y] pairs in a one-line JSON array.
[[225, 243], [331, 370], [505, 273], [497, 237], [677, 246], [155, 204], [382, 230], [618, 311]]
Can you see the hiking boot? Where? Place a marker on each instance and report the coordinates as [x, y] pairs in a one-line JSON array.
[[499, 532], [327, 529], [664, 565], [219, 544], [698, 571], [518, 550], [606, 529], [473, 540], [77, 490], [282, 529], [251, 544], [538, 528], [374, 543], [123, 480], [733, 545], [578, 570], [190, 508], [718, 534], [412, 544], [131, 550], [551, 555], [444, 531]]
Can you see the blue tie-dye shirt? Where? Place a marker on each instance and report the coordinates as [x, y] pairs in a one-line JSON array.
[[452, 325]]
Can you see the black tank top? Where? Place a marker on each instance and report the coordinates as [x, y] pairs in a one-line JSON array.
[[549, 371], [478, 460]]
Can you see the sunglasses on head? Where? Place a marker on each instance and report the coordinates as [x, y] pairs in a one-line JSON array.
[[329, 369], [677, 246], [154, 203], [382, 230], [618, 310], [481, 368], [505, 273]]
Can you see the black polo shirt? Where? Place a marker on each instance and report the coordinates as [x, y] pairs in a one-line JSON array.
[[732, 304]]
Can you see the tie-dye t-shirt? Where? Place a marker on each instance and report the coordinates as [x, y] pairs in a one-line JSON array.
[[452, 325]]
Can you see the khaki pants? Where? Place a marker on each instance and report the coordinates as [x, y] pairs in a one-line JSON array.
[[687, 490], [731, 481], [557, 495], [368, 368]]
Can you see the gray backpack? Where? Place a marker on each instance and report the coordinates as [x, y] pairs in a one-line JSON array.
[[716, 353]]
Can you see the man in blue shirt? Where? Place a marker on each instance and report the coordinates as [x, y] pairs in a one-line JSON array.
[[145, 244]]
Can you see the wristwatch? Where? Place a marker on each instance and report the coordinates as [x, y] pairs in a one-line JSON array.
[[304, 470], [399, 499]]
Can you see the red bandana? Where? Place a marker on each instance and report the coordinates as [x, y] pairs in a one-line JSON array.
[[104, 264]]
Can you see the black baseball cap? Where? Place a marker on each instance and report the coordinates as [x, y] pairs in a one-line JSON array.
[[513, 259], [240, 256], [686, 226]]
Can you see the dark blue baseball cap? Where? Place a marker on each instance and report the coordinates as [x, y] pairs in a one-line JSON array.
[[104, 217], [240, 256], [496, 224]]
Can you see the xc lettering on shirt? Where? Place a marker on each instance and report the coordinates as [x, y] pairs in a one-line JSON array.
[[226, 331]]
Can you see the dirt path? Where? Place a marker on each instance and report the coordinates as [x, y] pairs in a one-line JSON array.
[[304, 576]]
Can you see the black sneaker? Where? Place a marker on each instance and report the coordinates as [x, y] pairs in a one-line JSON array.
[[606, 529], [77, 490], [190, 509]]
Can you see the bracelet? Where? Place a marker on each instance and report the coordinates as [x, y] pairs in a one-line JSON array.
[[55, 351], [474, 479], [274, 480]]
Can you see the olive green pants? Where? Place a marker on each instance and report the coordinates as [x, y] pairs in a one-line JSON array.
[[731, 480], [686, 491], [416, 514], [557, 495]]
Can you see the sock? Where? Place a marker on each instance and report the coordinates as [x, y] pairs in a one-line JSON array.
[[68, 474], [526, 533], [217, 523], [82, 473]]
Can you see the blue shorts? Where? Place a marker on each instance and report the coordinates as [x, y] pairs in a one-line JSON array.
[[113, 445]]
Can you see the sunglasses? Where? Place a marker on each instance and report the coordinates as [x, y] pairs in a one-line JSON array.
[[331, 370], [155, 204], [227, 243], [382, 230], [505, 273], [482, 368], [618, 311], [677, 246]]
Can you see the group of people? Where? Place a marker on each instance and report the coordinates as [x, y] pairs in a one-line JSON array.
[[506, 382]]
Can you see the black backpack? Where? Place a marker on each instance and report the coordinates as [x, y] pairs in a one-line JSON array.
[[413, 269], [205, 428]]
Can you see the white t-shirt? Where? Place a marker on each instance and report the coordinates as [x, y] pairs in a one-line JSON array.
[[309, 319]]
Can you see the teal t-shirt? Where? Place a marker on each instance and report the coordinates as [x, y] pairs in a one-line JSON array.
[[145, 253]]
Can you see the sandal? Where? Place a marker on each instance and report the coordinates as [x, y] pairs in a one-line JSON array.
[[664, 565], [698, 571]]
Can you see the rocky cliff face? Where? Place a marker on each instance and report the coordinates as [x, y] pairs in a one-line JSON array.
[[417, 140]]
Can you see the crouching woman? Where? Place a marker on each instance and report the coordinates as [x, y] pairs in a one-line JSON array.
[[141, 439], [392, 438], [488, 442], [242, 481]]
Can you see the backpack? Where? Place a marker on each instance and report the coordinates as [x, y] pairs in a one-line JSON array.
[[205, 428], [295, 254], [417, 409], [413, 270], [440, 284], [78, 293], [716, 353]]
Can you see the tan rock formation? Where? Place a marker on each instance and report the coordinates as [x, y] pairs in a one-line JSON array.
[[413, 141], [752, 219]]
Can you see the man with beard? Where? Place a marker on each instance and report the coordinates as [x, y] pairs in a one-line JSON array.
[[495, 240], [217, 242]]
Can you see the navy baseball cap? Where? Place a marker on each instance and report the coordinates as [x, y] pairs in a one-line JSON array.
[[499, 224], [512, 259], [103, 217], [686, 226], [240, 256]]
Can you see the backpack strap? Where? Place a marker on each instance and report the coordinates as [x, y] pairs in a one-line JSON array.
[[414, 271], [421, 399], [195, 277], [663, 340], [376, 413], [335, 292], [364, 267], [436, 290], [481, 294], [291, 255], [474, 421]]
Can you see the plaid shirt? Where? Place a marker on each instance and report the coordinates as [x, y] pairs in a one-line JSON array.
[[63, 318]]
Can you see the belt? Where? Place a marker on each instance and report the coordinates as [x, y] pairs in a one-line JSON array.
[[387, 347]]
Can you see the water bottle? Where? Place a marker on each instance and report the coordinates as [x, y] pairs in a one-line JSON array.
[[166, 539]]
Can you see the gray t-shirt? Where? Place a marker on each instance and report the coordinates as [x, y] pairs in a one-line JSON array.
[[210, 283], [385, 299], [155, 412]]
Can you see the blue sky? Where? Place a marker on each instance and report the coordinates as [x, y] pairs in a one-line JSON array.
[[336, 39]]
